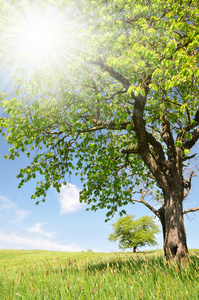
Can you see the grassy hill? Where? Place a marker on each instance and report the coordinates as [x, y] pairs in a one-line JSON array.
[[116, 276]]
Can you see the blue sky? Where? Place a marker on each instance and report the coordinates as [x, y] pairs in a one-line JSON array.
[[61, 223]]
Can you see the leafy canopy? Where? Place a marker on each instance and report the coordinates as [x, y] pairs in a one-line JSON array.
[[128, 60], [134, 233]]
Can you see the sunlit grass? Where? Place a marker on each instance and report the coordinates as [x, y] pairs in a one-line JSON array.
[[62, 275]]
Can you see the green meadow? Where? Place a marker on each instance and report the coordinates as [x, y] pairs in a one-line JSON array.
[[88, 275]]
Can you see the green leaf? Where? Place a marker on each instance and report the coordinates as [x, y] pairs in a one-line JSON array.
[[178, 144]]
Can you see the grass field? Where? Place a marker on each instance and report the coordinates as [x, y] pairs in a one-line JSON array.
[[62, 275]]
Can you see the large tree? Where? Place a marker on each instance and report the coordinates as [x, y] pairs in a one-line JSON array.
[[121, 107]]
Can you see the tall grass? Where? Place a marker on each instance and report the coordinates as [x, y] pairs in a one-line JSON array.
[[58, 275]]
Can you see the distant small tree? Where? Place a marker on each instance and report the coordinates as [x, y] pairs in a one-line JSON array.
[[133, 233]]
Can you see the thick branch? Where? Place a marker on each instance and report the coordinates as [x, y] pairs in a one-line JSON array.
[[130, 151], [187, 185], [114, 74], [196, 119], [190, 143], [143, 142], [168, 139], [159, 153]]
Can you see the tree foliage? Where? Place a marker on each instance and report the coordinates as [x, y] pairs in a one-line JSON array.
[[134, 233], [121, 108]]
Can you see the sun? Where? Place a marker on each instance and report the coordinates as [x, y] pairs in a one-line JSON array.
[[37, 36], [40, 36]]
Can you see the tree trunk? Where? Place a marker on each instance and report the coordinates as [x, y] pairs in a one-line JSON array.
[[134, 249], [171, 217]]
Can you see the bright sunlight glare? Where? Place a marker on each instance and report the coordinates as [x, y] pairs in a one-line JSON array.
[[35, 36], [38, 38]]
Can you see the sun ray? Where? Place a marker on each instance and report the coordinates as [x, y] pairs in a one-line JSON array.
[[40, 36], [35, 36]]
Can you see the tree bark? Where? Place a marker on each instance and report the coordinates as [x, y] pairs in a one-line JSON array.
[[168, 173], [134, 249], [171, 217]]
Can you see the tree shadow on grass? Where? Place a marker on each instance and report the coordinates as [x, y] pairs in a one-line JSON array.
[[153, 265]]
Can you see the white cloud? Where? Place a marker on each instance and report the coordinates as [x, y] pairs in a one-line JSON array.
[[20, 215], [15, 241], [69, 199], [37, 229], [6, 204], [9, 207]]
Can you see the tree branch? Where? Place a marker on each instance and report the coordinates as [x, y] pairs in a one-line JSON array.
[[189, 127], [196, 119], [186, 211], [143, 139], [160, 157], [168, 139], [190, 143], [187, 185], [114, 74], [130, 151], [189, 157], [114, 94], [106, 125], [147, 204]]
